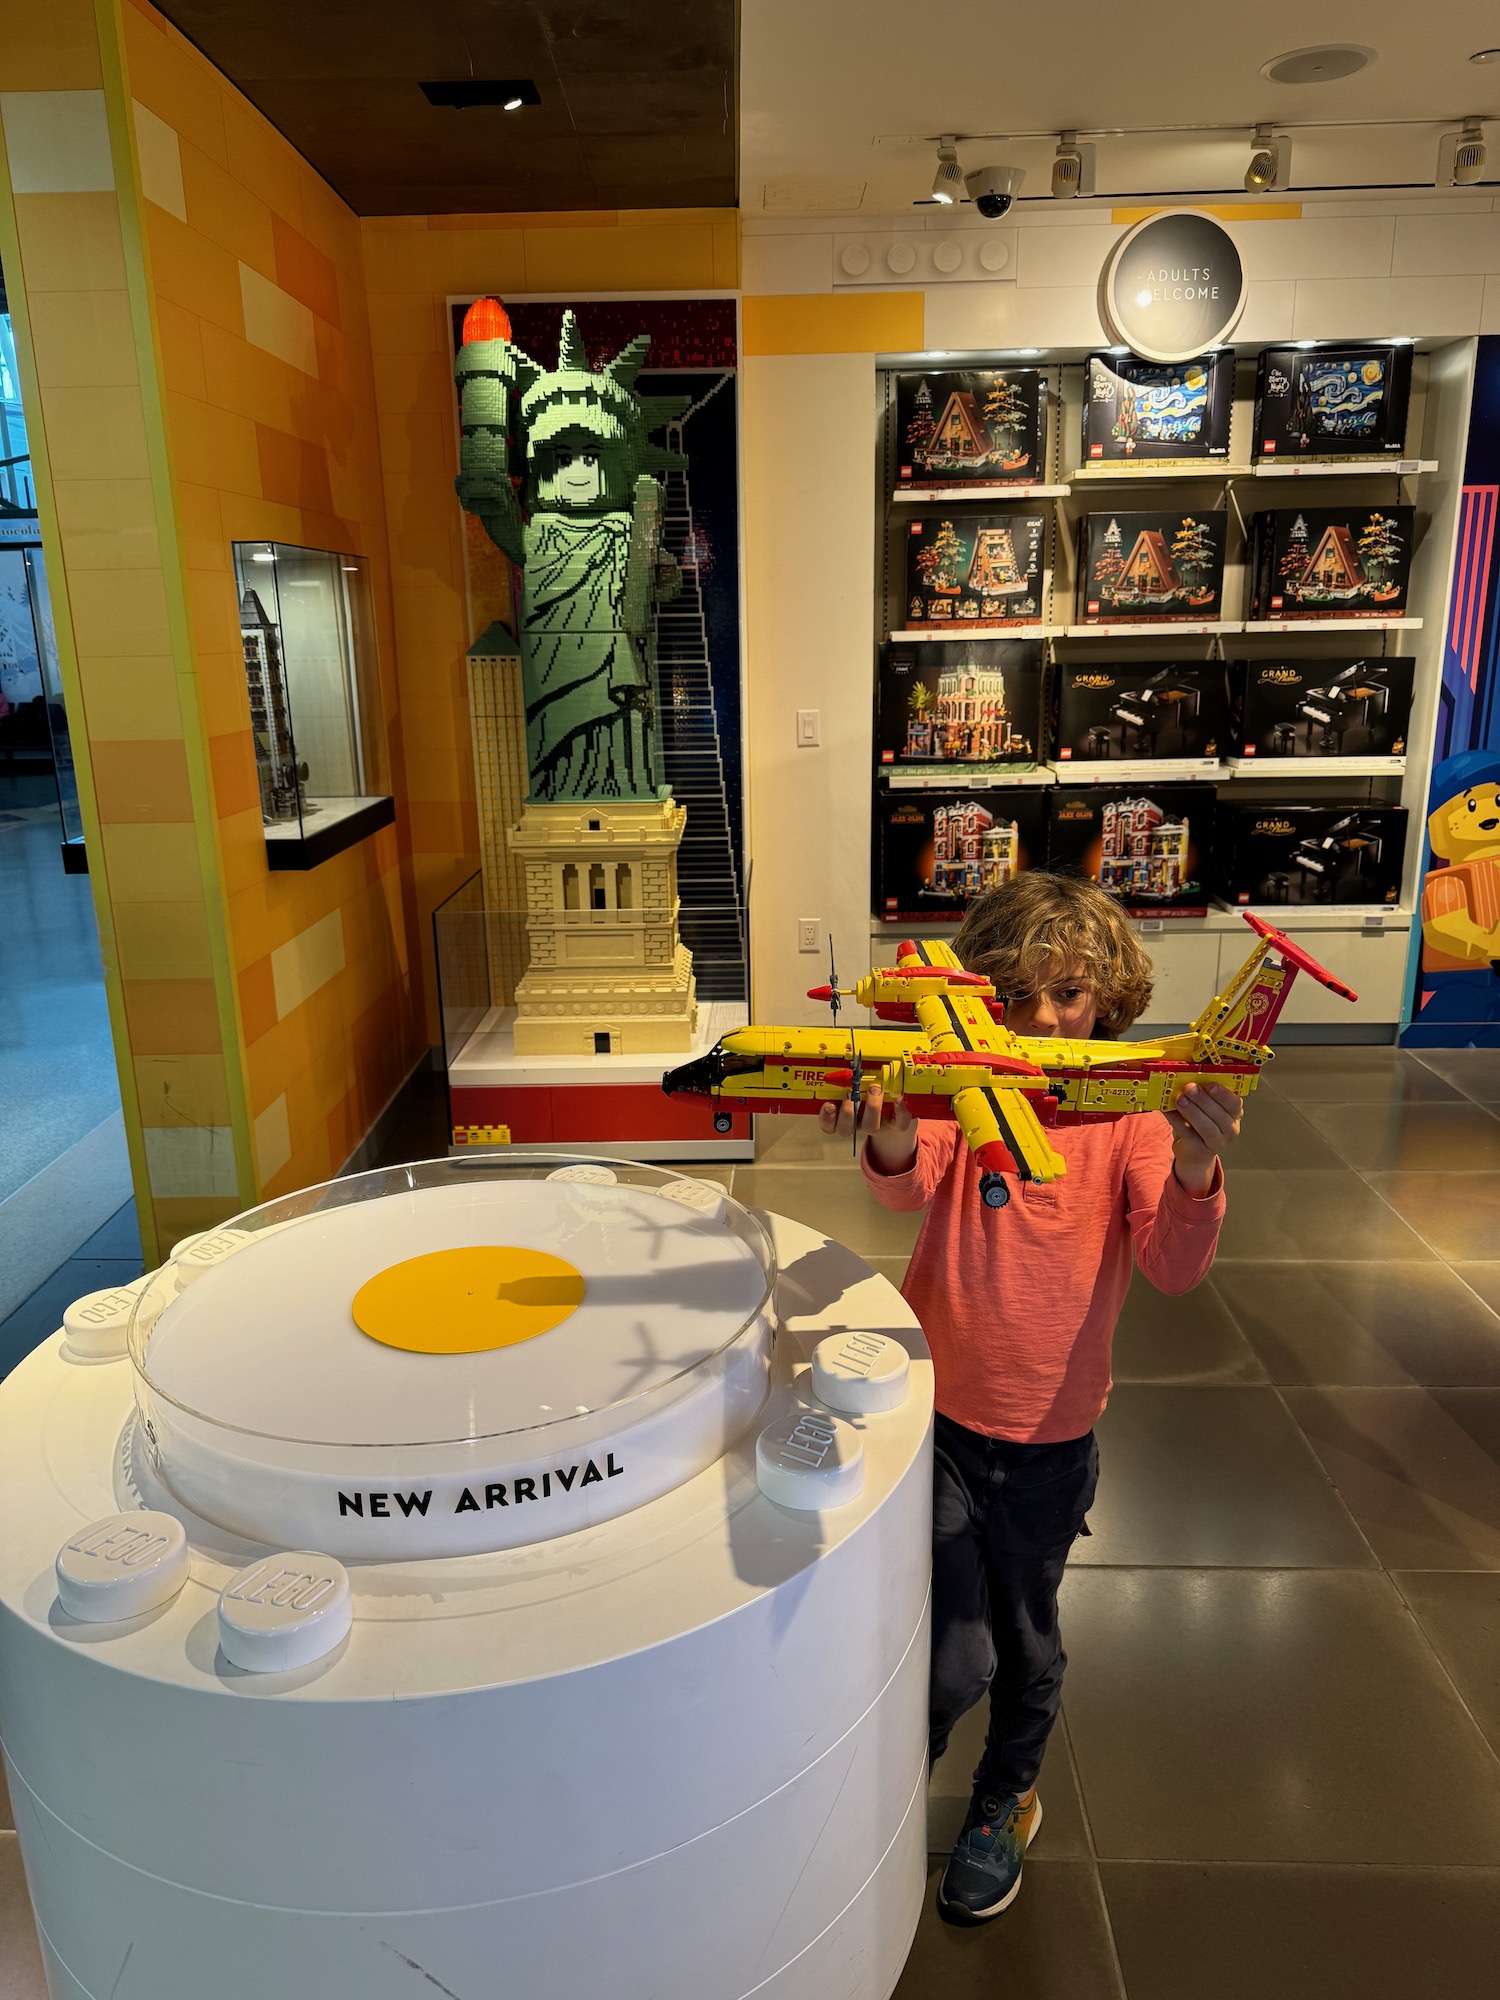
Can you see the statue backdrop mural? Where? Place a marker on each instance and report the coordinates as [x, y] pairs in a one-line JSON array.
[[587, 535]]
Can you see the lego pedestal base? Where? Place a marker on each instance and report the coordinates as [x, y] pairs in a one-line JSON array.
[[677, 1756], [595, 1104]]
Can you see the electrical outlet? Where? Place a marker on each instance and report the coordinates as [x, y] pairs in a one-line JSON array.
[[809, 934], [809, 728]]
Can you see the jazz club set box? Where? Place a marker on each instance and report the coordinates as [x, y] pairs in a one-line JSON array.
[[1336, 706], [1143, 567], [960, 701], [1333, 401], [1147, 844], [976, 570], [1310, 854], [1330, 562], [1139, 708], [937, 851], [1135, 410], [974, 426]]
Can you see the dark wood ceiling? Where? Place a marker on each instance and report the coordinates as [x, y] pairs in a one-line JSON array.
[[637, 110]]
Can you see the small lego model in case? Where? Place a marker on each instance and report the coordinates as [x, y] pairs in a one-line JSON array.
[[1147, 844], [972, 427], [1143, 567], [937, 851], [965, 701], [1331, 562], [976, 569], [1135, 410], [1339, 707], [1335, 401], [1274, 854], [1140, 708]]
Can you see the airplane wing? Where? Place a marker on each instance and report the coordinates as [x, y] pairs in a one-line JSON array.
[[954, 1021], [928, 953], [989, 1116]]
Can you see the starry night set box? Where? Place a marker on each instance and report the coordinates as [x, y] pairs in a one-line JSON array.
[[960, 701], [1134, 409], [1310, 854], [1147, 844], [937, 851], [1338, 401], [1134, 568], [1139, 708], [975, 569], [1331, 707], [975, 426], [1330, 562]]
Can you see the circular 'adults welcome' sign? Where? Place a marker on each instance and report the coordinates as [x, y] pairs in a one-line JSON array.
[[1173, 286]]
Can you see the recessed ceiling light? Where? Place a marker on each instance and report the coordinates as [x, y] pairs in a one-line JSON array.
[[1485, 56], [1319, 65], [509, 92]]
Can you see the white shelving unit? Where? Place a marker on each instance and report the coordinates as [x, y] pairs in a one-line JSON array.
[[1279, 769], [908, 496], [1148, 471], [1311, 627], [1124, 770], [956, 777], [1341, 468], [968, 629], [1157, 628]]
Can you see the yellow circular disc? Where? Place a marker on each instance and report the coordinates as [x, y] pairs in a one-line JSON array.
[[467, 1301]]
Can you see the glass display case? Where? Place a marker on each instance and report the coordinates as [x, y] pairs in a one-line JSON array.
[[310, 664]]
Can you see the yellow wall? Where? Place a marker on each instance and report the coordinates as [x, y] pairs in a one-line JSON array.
[[413, 266], [215, 349]]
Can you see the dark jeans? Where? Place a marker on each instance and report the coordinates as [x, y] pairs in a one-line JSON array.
[[1003, 1519]]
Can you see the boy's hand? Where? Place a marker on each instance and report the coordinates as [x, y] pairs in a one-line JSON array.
[[892, 1139], [1206, 1121]]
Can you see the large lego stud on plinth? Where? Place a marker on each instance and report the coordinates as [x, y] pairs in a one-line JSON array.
[[284, 1612], [809, 1461], [860, 1372]]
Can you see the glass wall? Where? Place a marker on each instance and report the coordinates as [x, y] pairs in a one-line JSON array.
[[310, 666]]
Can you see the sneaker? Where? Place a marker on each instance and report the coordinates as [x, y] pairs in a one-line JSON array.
[[983, 1876]]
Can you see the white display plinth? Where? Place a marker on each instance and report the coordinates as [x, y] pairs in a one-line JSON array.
[[678, 1755]]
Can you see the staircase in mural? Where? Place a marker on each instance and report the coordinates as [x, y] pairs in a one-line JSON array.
[[712, 922]]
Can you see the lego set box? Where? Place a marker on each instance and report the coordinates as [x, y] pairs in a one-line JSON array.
[[1339, 707], [1310, 854], [975, 426], [1331, 562], [1332, 402], [1147, 844], [1139, 708], [964, 701], [937, 851], [1134, 409], [1140, 567], [980, 569]]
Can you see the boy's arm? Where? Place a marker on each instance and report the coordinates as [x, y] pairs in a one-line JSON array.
[[915, 1186], [1174, 1233]]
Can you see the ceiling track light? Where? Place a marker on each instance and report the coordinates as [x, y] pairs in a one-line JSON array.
[[1072, 168], [948, 181], [1461, 155], [1270, 161]]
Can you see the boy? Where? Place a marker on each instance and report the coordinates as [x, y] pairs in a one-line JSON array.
[[1019, 1305]]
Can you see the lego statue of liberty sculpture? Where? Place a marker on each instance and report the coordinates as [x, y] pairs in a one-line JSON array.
[[587, 537], [598, 833]]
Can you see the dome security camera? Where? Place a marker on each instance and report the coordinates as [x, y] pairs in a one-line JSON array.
[[993, 189]]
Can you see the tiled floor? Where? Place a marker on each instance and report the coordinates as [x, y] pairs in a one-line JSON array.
[[1278, 1770]]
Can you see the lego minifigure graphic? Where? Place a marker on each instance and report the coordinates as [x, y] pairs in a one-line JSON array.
[[1460, 978], [587, 534]]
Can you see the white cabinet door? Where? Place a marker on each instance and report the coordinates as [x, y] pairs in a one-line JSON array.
[[1186, 959], [1373, 963]]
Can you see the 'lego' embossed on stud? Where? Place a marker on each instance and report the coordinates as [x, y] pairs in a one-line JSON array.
[[204, 1251], [95, 1326], [588, 1176], [810, 1460], [284, 1612], [860, 1372], [703, 1197], [120, 1566]]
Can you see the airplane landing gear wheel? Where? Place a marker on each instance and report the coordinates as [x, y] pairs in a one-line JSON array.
[[723, 1122], [992, 1190]]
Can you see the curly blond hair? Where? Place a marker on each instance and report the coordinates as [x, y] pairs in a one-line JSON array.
[[1039, 924]]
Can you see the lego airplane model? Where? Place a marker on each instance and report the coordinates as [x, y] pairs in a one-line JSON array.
[[953, 1057]]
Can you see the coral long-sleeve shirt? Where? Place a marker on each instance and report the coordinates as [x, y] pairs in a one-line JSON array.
[[1019, 1304]]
